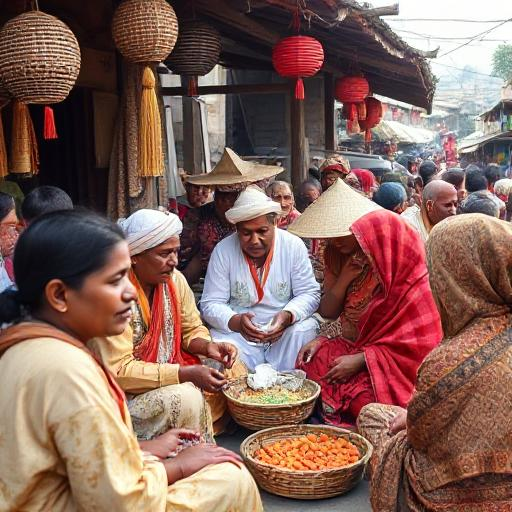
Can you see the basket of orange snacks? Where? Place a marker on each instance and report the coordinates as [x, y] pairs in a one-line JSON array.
[[306, 461]]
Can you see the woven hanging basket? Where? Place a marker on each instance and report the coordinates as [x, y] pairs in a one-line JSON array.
[[39, 58], [298, 57], [197, 50], [145, 30]]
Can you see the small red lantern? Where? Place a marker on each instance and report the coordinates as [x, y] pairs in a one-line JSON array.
[[352, 91], [298, 57], [374, 115]]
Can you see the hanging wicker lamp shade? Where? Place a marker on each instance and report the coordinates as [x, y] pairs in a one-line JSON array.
[[196, 53], [145, 30], [39, 58], [298, 57], [374, 115]]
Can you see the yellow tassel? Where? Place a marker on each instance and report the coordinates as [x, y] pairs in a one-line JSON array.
[[151, 161], [4, 171], [24, 154]]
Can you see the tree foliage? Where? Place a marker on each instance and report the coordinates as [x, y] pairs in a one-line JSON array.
[[502, 61]]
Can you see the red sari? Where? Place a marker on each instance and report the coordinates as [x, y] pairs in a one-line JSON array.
[[396, 331]]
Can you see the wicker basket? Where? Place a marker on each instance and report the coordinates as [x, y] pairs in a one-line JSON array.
[[304, 485], [260, 416], [145, 30], [39, 58], [197, 49], [5, 95]]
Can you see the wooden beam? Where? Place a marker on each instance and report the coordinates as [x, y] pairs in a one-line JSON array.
[[330, 140], [385, 10], [297, 130], [192, 135], [239, 21], [230, 89]]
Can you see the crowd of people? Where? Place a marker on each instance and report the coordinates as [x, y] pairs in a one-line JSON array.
[[365, 284]]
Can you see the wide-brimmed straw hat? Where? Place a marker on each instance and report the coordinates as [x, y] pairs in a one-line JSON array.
[[232, 170], [332, 214]]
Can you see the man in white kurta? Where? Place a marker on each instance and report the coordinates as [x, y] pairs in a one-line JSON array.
[[280, 290]]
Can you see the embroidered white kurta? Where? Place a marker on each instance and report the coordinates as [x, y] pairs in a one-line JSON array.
[[291, 286]]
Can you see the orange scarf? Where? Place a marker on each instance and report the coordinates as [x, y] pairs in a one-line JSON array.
[[31, 330], [260, 285], [153, 318]]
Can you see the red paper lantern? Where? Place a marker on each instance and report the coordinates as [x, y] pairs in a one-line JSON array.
[[298, 57], [352, 91], [374, 115]]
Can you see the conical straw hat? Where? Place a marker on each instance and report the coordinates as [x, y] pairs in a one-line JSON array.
[[232, 170], [332, 214]]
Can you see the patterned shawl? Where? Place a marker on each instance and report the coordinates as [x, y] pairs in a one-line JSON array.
[[458, 454]]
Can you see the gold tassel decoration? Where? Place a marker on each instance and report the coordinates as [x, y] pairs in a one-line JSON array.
[[151, 161], [4, 171], [24, 152]]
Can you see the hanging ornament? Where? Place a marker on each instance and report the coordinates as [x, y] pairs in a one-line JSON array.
[[373, 117], [24, 152], [145, 32], [298, 57], [352, 91], [39, 60], [196, 53]]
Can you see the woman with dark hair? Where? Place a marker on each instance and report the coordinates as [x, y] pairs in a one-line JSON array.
[[70, 441], [8, 238]]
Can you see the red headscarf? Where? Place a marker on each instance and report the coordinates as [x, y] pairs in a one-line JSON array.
[[400, 326], [366, 178]]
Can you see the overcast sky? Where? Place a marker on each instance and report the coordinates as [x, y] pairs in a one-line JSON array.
[[477, 54]]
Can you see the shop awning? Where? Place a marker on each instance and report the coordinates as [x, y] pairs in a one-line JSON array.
[[401, 133], [469, 145]]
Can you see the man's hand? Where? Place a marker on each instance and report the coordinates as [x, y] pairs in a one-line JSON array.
[[345, 367], [279, 323], [165, 446], [225, 353], [203, 377], [242, 324]]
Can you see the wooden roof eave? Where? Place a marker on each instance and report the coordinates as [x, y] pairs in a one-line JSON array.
[[407, 74]]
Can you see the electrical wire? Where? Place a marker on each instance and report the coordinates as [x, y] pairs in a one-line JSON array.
[[475, 37], [456, 20], [444, 38]]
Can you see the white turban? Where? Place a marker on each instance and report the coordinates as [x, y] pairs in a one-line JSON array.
[[146, 229], [252, 203]]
